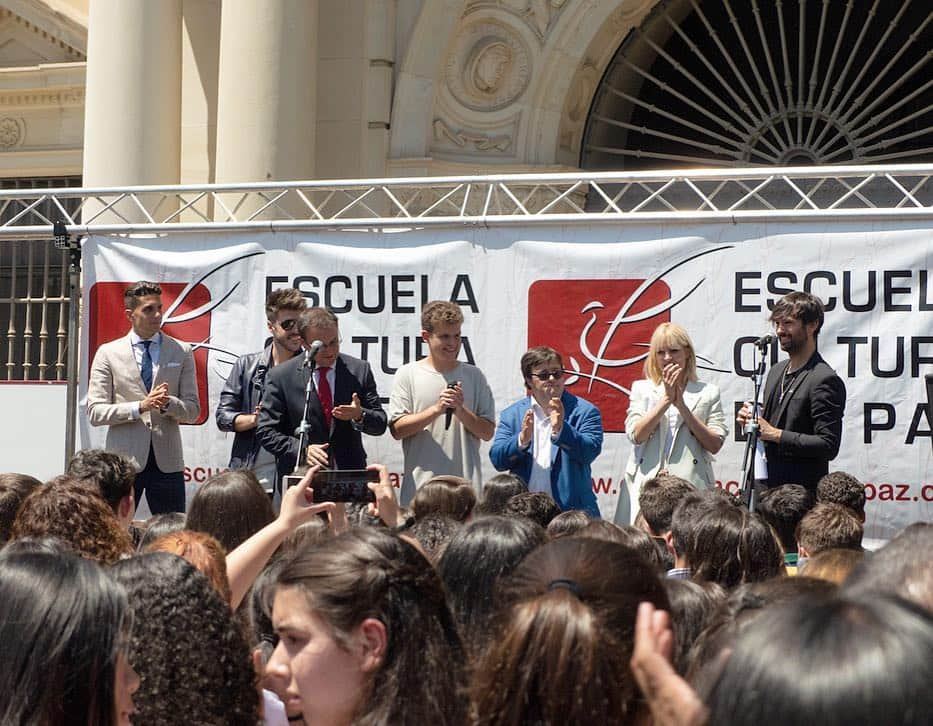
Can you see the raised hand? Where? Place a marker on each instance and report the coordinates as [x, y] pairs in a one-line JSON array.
[[555, 410], [352, 411], [527, 430]]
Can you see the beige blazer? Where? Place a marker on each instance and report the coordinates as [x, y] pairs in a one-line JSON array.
[[687, 459], [115, 387]]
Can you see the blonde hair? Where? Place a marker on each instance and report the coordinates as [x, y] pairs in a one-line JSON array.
[[665, 336]]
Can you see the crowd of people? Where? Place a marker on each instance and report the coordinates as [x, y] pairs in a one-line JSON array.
[[454, 600], [497, 609]]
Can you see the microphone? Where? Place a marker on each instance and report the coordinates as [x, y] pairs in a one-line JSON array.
[[764, 341], [449, 413], [310, 353]]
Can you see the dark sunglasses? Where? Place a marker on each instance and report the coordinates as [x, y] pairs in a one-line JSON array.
[[287, 325], [548, 375]]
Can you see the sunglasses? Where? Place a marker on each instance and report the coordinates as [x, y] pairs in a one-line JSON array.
[[548, 375], [287, 325]]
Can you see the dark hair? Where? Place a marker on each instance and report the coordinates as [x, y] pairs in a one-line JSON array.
[[193, 661], [692, 607], [440, 312], [285, 298], [158, 525], [202, 551], [475, 561], [452, 496], [112, 474], [498, 490], [539, 507], [568, 523], [138, 290], [317, 318], [783, 507], [231, 507], [368, 573], [628, 535], [832, 565], [901, 567], [62, 621], [741, 608], [14, 488], [565, 636], [542, 355], [307, 534], [801, 306], [830, 526], [730, 546], [434, 532], [77, 514], [684, 519], [659, 497], [831, 661], [838, 487]]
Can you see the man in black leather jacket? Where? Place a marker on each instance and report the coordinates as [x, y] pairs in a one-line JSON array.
[[238, 409]]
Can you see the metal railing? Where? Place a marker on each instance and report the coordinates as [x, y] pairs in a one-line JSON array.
[[703, 194]]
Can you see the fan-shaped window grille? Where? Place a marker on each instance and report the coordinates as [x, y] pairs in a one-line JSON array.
[[767, 82]]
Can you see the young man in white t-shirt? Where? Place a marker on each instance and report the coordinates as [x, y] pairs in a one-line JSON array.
[[440, 408]]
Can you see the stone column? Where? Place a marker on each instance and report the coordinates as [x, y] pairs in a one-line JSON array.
[[132, 121], [266, 94]]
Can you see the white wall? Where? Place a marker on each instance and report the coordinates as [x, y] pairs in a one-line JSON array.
[[32, 429]]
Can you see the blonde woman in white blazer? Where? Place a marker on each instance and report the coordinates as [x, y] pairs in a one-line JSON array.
[[675, 422]]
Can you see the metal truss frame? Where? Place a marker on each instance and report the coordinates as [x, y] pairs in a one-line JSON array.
[[753, 194]]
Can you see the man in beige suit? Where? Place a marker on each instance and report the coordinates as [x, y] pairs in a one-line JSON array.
[[142, 386]]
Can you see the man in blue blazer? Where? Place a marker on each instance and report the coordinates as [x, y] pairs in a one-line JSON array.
[[550, 437]]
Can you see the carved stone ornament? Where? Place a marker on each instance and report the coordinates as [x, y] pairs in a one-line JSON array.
[[12, 131], [539, 15], [462, 137], [489, 67]]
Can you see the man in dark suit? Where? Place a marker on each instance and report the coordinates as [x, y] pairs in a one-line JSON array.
[[344, 403], [804, 399]]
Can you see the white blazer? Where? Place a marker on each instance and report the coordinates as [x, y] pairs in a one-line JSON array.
[[687, 459]]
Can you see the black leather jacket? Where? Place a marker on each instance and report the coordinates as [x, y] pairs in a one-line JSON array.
[[240, 395]]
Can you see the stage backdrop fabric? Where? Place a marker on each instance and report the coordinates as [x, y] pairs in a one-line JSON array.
[[593, 291]]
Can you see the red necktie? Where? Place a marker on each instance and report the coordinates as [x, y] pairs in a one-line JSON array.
[[324, 394]]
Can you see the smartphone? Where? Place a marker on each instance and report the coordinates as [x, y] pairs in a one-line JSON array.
[[347, 485]]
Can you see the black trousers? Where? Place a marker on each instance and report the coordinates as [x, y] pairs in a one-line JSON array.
[[165, 491]]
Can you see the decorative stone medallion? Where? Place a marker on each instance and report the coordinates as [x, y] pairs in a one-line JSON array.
[[489, 66], [11, 132]]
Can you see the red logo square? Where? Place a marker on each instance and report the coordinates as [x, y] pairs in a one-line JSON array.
[[601, 332], [107, 321]]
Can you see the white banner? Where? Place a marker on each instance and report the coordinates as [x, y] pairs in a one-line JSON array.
[[582, 289]]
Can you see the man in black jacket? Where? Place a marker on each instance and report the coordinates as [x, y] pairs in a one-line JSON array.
[[238, 409], [804, 399], [344, 403]]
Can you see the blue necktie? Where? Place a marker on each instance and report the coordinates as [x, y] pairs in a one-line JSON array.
[[146, 369]]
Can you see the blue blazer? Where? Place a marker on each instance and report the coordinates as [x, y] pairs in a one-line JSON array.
[[579, 443]]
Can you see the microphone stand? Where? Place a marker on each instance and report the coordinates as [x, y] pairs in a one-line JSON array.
[[748, 488], [305, 427]]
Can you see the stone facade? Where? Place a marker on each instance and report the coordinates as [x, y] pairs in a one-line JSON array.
[[195, 91]]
